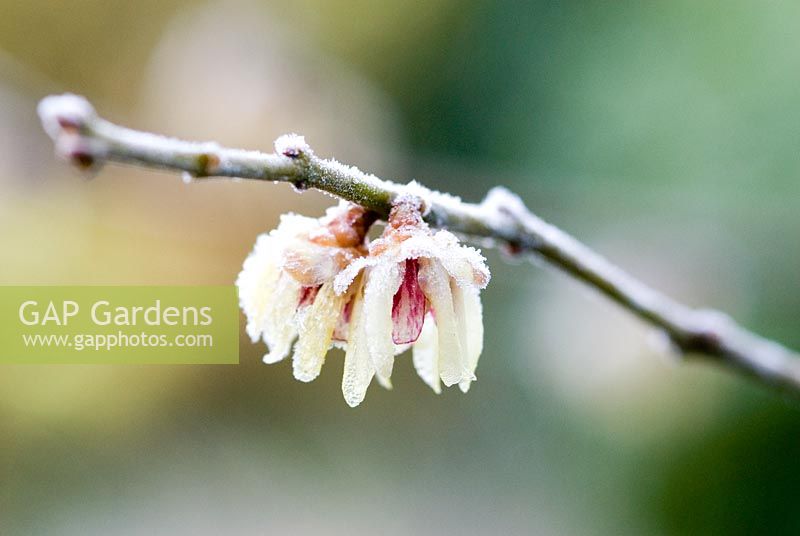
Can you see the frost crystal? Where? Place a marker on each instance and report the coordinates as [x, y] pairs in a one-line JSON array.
[[59, 112], [292, 145]]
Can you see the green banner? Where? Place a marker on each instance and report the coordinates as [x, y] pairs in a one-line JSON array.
[[119, 325]]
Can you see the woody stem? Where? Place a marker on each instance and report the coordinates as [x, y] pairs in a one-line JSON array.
[[88, 140]]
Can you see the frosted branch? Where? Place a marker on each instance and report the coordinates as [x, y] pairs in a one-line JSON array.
[[87, 140]]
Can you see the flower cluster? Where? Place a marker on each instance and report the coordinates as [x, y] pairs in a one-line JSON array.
[[321, 282]]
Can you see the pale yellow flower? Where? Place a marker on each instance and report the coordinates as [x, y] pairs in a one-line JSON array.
[[416, 287], [286, 285]]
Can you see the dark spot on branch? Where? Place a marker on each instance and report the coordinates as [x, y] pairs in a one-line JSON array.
[[81, 159], [512, 248], [207, 164], [701, 342]]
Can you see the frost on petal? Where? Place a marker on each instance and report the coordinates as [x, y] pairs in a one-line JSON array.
[[358, 368], [279, 330], [435, 283], [408, 306], [345, 278], [310, 264], [256, 284], [425, 355], [316, 329], [340, 332], [294, 226], [465, 264], [469, 316], [382, 282]]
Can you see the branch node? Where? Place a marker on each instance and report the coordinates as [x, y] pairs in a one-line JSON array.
[[65, 113], [207, 164], [293, 146]]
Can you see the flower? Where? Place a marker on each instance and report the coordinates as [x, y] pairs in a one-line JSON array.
[[286, 285], [417, 288], [317, 281]]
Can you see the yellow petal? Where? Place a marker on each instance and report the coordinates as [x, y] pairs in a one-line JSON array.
[[315, 327], [279, 330], [256, 284], [358, 369], [435, 283], [425, 354], [469, 315], [383, 280], [385, 382], [310, 264]]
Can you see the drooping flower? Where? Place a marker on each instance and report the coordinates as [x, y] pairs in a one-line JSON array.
[[415, 287], [286, 286]]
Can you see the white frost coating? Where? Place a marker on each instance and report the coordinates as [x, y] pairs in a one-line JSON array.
[[465, 264], [429, 197], [382, 283], [418, 191], [316, 329], [292, 145], [268, 294], [68, 108], [453, 367], [348, 174], [358, 367], [278, 333], [256, 283], [500, 207]]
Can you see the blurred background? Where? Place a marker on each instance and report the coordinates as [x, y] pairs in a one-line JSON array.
[[665, 135]]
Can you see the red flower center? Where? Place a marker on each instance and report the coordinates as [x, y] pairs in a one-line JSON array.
[[408, 306]]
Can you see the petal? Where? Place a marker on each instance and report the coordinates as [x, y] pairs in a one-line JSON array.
[[342, 329], [385, 382], [435, 283], [279, 330], [465, 264], [408, 306], [358, 369], [310, 264], [256, 284], [469, 315], [345, 278], [316, 326], [293, 225], [425, 354], [383, 280]]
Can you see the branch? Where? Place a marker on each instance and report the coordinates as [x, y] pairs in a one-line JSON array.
[[88, 140]]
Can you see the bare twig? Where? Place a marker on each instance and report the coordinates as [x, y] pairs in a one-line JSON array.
[[88, 140]]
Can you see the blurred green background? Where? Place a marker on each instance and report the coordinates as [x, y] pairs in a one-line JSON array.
[[663, 134]]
